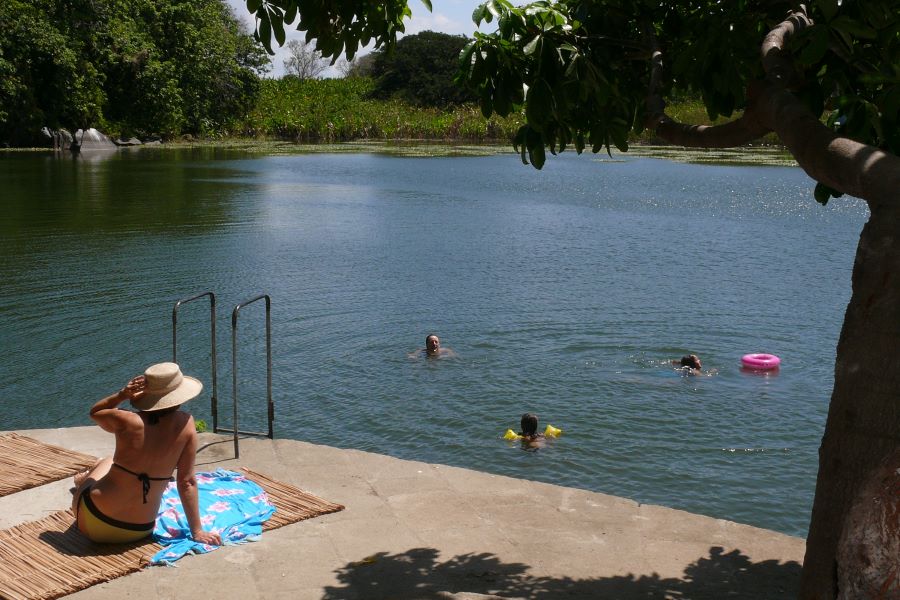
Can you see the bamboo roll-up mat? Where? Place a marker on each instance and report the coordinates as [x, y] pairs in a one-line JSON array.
[[292, 503], [27, 463], [49, 558]]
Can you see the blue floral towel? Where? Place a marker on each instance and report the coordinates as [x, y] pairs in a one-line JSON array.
[[230, 505]]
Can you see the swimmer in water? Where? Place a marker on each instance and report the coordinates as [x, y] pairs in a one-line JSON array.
[[691, 361], [690, 365], [433, 348], [530, 436]]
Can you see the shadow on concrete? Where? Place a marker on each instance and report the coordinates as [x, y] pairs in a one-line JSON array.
[[420, 574], [72, 543], [220, 450]]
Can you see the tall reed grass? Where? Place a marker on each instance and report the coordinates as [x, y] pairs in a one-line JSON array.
[[336, 110], [340, 110]]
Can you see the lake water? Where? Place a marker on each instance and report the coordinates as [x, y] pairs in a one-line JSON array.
[[564, 292]]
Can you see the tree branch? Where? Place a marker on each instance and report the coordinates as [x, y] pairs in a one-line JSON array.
[[776, 62], [841, 163], [734, 133], [845, 165]]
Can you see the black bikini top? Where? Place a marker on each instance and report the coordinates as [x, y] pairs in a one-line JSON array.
[[144, 479]]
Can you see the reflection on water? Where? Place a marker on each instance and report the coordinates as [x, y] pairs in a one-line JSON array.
[[565, 292]]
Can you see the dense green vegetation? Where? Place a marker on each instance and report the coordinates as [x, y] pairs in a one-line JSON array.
[[421, 70], [338, 110], [331, 110], [172, 67], [127, 67]]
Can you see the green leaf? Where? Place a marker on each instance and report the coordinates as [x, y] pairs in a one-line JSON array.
[[817, 45], [890, 103], [505, 26], [519, 142], [854, 28], [829, 8], [619, 133], [536, 149], [579, 142], [481, 13], [822, 193], [265, 32], [278, 29], [487, 107], [502, 104], [291, 14], [531, 46], [538, 104], [253, 5], [427, 4], [465, 56]]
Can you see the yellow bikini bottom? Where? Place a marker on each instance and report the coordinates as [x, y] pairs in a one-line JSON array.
[[101, 528]]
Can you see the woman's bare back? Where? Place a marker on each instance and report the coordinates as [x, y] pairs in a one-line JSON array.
[[142, 448]]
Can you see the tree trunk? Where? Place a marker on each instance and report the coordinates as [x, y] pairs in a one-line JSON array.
[[869, 549], [863, 424]]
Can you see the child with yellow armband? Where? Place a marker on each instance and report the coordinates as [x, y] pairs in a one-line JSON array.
[[529, 435]]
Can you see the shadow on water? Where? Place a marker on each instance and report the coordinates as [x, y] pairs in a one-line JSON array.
[[420, 574]]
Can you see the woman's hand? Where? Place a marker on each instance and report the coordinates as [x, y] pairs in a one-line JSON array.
[[207, 537], [134, 389]]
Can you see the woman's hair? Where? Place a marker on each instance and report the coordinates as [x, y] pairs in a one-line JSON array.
[[691, 361], [153, 416], [529, 424]]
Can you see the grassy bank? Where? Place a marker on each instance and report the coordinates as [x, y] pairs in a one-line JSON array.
[[340, 110]]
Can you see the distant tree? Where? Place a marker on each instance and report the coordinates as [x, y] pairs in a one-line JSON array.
[[361, 66], [344, 67], [304, 61], [421, 69]]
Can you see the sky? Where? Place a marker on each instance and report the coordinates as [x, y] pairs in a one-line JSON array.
[[447, 16]]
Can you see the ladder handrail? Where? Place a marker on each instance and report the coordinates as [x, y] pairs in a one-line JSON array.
[[214, 400], [234, 367]]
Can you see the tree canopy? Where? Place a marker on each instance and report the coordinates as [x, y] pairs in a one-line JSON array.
[[587, 66], [129, 66], [421, 70], [824, 77]]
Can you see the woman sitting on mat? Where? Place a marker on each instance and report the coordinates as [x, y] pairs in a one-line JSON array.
[[118, 499]]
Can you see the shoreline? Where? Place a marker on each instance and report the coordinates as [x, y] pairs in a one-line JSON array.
[[761, 155]]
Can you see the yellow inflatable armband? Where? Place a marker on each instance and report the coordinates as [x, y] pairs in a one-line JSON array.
[[511, 435], [552, 431]]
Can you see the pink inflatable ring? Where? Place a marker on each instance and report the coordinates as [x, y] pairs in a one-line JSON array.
[[760, 362]]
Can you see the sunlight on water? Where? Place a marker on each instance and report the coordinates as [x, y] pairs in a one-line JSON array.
[[565, 292]]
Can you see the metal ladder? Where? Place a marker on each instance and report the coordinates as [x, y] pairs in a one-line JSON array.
[[214, 400]]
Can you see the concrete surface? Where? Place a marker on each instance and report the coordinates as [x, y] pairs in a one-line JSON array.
[[418, 530]]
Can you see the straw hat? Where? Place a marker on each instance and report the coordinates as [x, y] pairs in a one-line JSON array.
[[166, 387]]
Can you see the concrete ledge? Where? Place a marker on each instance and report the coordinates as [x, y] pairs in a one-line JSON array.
[[419, 530]]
